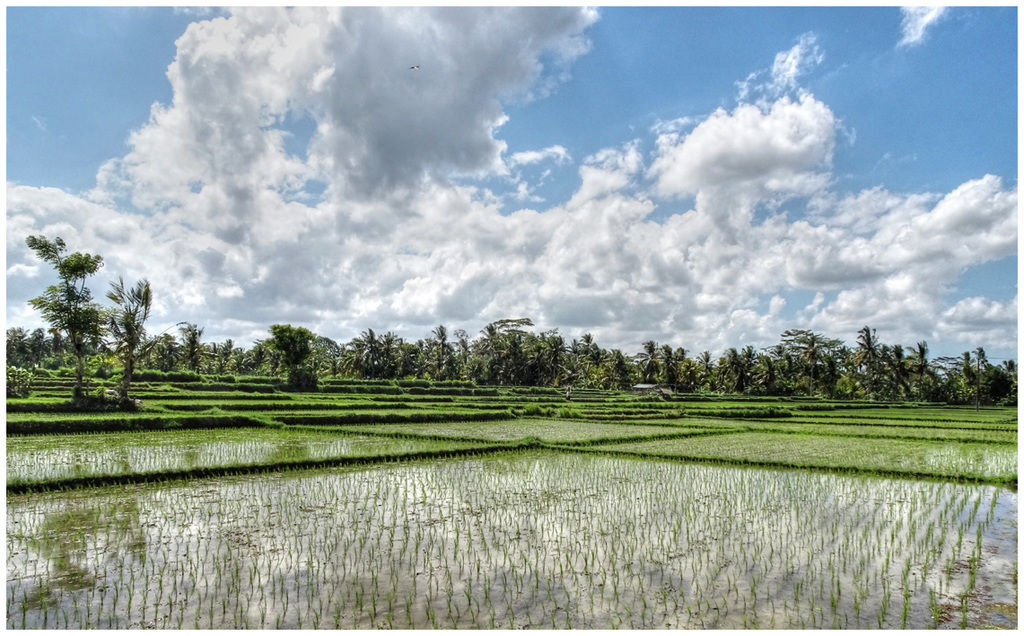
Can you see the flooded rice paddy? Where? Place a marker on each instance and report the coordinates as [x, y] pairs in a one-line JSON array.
[[527, 540], [39, 458]]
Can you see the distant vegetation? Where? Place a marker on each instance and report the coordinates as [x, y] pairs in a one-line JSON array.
[[102, 343]]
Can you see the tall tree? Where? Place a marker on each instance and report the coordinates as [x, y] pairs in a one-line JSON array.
[[868, 357], [68, 306], [670, 360], [126, 326], [811, 349], [19, 352], [898, 366], [705, 370], [766, 373], [442, 353], [367, 359], [737, 367], [982, 361], [192, 349], [501, 346], [160, 353], [295, 345], [647, 361], [920, 370]]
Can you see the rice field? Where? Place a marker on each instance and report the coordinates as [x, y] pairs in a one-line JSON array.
[[388, 506], [39, 459], [552, 431], [889, 456], [521, 540]]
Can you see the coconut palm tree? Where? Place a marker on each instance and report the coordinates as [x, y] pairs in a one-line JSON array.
[[670, 360], [442, 353], [921, 371], [705, 370], [647, 362], [736, 367], [366, 360], [810, 350], [868, 357], [164, 353], [898, 366], [258, 360], [766, 373], [547, 358], [126, 327], [19, 352], [193, 351]]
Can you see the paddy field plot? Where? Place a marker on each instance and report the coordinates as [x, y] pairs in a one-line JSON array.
[[533, 539], [37, 459], [546, 430], [981, 462]]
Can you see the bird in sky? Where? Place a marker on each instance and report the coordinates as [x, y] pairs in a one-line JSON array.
[[414, 68]]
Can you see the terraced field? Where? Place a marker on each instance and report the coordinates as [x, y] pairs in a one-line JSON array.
[[371, 504]]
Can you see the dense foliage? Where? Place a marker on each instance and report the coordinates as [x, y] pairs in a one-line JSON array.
[[506, 353], [19, 382]]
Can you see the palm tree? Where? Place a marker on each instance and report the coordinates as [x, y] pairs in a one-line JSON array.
[[1010, 367], [982, 363], [38, 345], [810, 349], [164, 353], [547, 352], [462, 353], [366, 358], [407, 357], [689, 374], [514, 359], [224, 357], [389, 346], [647, 361], [766, 373], [261, 359], [736, 367], [868, 356], [327, 356], [920, 370], [126, 326], [618, 371], [442, 353], [670, 360], [706, 369], [899, 369], [19, 353]]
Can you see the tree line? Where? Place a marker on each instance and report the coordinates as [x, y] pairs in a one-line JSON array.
[[505, 352]]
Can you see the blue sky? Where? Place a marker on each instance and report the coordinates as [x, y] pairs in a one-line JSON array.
[[703, 177]]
